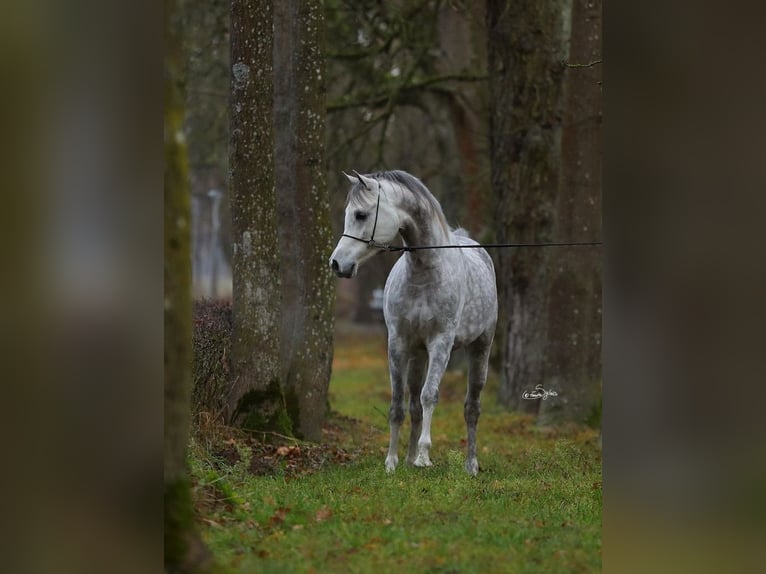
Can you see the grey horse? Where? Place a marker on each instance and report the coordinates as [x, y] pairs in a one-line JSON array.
[[435, 300]]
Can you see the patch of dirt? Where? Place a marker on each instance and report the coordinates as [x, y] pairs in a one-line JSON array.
[[207, 499], [343, 441], [295, 459], [226, 455]]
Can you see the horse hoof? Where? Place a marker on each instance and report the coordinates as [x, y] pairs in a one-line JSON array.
[[472, 467], [422, 461], [391, 463]]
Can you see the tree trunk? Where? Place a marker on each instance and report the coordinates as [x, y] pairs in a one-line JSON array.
[[184, 551], [256, 401], [525, 53], [459, 53], [305, 236], [573, 368]]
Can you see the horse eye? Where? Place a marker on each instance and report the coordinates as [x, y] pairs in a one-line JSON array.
[[360, 215]]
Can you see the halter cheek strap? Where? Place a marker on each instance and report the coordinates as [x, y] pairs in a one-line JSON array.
[[375, 223], [371, 242]]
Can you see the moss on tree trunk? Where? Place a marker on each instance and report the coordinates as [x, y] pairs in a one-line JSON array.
[[184, 551], [258, 410]]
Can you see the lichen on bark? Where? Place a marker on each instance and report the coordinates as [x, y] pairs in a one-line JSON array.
[[255, 398]]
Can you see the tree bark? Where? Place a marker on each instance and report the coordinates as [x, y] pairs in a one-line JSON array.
[[184, 551], [573, 368], [526, 48], [305, 236], [256, 401]]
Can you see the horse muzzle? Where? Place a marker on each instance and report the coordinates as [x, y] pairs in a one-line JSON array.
[[346, 272]]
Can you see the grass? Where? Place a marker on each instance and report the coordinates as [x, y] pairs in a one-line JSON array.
[[534, 507]]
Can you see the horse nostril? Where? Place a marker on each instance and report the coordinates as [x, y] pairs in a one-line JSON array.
[[334, 265]]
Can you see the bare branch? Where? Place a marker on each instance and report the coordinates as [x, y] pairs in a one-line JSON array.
[[359, 133], [588, 65], [378, 99]]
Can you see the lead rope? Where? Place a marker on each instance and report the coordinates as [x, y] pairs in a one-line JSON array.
[[392, 248], [385, 247]]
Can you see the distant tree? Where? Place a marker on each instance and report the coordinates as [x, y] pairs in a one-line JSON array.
[[573, 364], [206, 123], [303, 212], [545, 155], [207, 71], [526, 48], [184, 550], [256, 400]]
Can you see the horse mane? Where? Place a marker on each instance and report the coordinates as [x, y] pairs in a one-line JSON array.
[[401, 181]]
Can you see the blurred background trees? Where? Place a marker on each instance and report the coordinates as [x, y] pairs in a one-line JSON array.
[[473, 97], [206, 48]]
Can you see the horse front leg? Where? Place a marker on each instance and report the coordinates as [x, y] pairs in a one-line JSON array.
[[478, 358], [396, 360], [438, 355]]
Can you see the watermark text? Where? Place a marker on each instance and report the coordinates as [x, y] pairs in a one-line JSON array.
[[538, 393]]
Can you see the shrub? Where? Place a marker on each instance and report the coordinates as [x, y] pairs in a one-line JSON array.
[[212, 349]]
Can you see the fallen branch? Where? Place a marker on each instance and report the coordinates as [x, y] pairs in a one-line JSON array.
[[276, 434]]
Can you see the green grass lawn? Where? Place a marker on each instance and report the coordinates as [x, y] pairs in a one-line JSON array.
[[534, 507]]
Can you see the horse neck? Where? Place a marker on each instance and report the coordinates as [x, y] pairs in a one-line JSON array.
[[422, 228]]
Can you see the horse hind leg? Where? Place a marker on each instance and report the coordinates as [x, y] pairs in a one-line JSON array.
[[478, 357], [396, 412], [415, 375]]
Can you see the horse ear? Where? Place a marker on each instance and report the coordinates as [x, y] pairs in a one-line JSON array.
[[367, 182], [351, 178]]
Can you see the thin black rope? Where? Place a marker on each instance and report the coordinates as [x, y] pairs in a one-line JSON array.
[[372, 243], [384, 247]]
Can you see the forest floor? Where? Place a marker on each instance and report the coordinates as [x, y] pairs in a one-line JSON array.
[[268, 504]]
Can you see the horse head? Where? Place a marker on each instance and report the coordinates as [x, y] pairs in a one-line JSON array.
[[371, 220]]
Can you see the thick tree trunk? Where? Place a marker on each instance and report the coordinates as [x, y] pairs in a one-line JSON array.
[[256, 401], [525, 54], [305, 238], [184, 551], [573, 368]]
